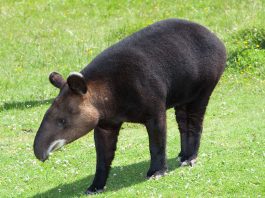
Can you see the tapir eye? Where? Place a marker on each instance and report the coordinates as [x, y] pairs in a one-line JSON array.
[[61, 122]]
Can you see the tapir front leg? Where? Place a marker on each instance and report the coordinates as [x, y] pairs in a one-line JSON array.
[[105, 141], [156, 128]]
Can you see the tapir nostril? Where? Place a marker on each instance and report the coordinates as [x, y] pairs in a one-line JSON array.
[[39, 154], [44, 157], [39, 151]]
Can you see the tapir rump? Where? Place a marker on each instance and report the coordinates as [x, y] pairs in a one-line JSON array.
[[170, 64]]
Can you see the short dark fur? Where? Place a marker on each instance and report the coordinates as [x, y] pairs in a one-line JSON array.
[[172, 63]]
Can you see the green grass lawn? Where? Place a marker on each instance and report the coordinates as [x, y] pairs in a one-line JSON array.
[[38, 37]]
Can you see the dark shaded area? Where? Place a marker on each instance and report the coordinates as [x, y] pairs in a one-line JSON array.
[[24, 105], [253, 38], [125, 176], [234, 55]]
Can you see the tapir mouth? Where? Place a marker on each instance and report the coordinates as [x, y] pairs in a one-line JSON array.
[[55, 145]]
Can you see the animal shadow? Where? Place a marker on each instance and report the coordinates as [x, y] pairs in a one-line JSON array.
[[24, 104], [120, 177]]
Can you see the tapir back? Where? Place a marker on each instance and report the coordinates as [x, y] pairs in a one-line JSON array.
[[170, 61]]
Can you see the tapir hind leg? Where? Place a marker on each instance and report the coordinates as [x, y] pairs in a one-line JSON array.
[[105, 141], [190, 121], [156, 128]]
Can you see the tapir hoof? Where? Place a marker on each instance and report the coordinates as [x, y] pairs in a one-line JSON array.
[[188, 162], [93, 191], [153, 174]]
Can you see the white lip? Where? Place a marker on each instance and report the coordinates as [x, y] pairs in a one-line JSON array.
[[55, 145]]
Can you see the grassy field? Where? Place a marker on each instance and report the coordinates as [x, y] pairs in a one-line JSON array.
[[38, 37]]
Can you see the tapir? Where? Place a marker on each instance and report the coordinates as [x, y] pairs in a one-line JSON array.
[[172, 63]]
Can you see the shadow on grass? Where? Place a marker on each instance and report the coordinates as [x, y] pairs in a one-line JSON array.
[[24, 104], [125, 176]]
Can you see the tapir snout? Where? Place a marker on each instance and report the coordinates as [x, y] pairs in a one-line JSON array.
[[42, 149], [39, 149]]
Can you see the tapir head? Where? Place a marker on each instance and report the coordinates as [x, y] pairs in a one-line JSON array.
[[70, 116]]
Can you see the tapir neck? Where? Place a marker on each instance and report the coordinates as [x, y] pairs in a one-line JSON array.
[[99, 95]]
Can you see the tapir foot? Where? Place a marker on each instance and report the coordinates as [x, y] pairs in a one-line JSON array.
[[156, 174], [186, 161], [92, 190]]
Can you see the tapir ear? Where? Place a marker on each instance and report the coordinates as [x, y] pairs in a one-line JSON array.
[[77, 83], [56, 80]]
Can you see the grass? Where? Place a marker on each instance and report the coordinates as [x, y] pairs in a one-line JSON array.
[[38, 37]]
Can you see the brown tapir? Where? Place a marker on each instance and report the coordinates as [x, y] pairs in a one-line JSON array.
[[169, 64]]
